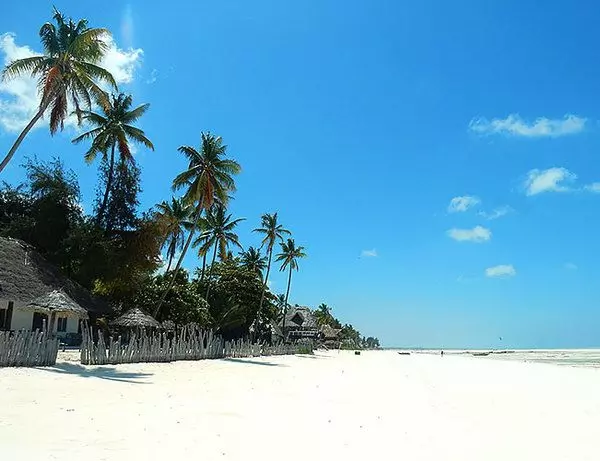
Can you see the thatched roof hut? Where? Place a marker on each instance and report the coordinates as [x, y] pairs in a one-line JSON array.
[[25, 275], [56, 301], [136, 318], [329, 333], [300, 322]]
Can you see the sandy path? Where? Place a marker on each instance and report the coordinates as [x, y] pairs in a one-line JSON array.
[[379, 405]]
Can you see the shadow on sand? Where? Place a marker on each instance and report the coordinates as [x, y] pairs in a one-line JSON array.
[[254, 362], [315, 356], [101, 372]]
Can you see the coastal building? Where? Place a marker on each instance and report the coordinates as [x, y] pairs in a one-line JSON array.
[[330, 336], [300, 323], [33, 292]]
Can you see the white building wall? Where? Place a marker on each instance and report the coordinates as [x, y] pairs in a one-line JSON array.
[[23, 320]]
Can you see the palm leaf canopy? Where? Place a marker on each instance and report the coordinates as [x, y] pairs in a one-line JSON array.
[[271, 230], [68, 71], [218, 230], [113, 126], [209, 176], [290, 254]]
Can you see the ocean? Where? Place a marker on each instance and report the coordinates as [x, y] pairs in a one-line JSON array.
[[589, 358]]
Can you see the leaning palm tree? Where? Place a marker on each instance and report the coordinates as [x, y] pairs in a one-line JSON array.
[[207, 179], [175, 217], [272, 232], [68, 71], [219, 235], [289, 256], [252, 260], [113, 129]]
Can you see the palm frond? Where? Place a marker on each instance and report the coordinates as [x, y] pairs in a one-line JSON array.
[[22, 66]]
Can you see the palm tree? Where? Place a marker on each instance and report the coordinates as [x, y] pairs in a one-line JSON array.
[[272, 233], [219, 234], [323, 314], [68, 70], [288, 257], [175, 217], [254, 261], [208, 179], [113, 129]]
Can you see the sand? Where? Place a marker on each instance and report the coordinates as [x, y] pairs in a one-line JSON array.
[[331, 406]]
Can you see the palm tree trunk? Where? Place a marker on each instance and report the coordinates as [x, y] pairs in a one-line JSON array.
[[211, 269], [203, 267], [109, 180], [171, 255], [287, 293], [24, 133], [180, 260], [264, 288]]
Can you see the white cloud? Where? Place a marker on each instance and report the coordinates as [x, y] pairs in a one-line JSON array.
[[550, 180], [503, 270], [571, 266], [121, 63], [478, 234], [594, 187], [369, 253], [19, 97], [496, 213], [462, 203], [542, 127]]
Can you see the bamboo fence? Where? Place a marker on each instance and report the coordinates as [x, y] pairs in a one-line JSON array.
[[28, 348], [187, 343]]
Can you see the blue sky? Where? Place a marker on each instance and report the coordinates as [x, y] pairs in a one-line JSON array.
[[360, 122]]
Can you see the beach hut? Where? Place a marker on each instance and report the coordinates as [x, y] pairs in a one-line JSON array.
[[135, 318], [55, 307], [300, 323], [31, 289]]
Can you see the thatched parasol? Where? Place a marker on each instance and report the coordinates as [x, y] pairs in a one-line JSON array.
[[135, 318], [56, 301]]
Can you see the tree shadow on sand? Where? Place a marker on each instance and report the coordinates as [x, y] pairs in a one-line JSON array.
[[100, 372], [254, 362]]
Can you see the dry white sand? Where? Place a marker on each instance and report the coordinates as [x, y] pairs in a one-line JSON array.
[[379, 405]]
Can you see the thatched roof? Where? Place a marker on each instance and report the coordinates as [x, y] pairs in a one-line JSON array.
[[56, 301], [299, 317], [25, 275], [135, 318], [329, 332]]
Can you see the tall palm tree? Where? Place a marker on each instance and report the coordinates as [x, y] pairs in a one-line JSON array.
[[175, 217], [219, 234], [254, 261], [207, 179], [289, 256], [68, 71], [113, 129], [272, 232]]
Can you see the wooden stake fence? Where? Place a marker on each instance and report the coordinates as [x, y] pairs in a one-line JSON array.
[[27, 348], [187, 343]]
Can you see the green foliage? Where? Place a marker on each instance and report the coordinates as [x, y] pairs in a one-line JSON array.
[[183, 304], [120, 209], [252, 260], [44, 210], [234, 298]]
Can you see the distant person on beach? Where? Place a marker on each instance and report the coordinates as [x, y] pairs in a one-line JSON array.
[[442, 353]]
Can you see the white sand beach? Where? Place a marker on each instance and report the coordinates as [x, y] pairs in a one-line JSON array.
[[379, 405]]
